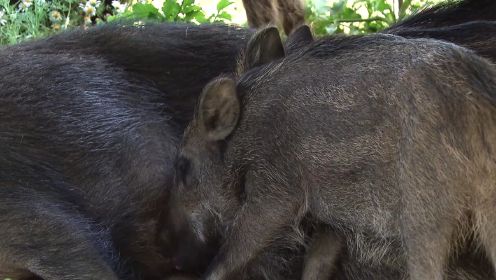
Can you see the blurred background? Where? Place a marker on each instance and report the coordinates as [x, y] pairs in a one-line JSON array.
[[22, 20]]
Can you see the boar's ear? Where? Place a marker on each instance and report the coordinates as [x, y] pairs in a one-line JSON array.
[[298, 39], [218, 110], [264, 47]]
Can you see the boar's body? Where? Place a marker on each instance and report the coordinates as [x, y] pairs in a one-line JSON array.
[[468, 23], [397, 157], [402, 150], [90, 122], [479, 36], [177, 59], [449, 13]]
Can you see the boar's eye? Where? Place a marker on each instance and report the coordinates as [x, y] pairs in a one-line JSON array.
[[183, 166]]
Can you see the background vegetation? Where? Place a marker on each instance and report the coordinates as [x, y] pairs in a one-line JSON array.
[[359, 16], [25, 19]]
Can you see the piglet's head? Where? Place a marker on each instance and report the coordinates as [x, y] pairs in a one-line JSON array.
[[207, 191]]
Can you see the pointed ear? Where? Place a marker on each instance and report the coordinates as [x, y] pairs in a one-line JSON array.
[[219, 108], [264, 47], [298, 39]]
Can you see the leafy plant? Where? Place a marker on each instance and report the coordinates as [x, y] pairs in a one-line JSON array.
[[359, 16], [26, 19], [176, 11]]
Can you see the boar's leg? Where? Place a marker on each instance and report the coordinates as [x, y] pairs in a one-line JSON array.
[[291, 14], [486, 223], [259, 12], [270, 208], [427, 233], [288, 14], [427, 253], [320, 258], [47, 238]]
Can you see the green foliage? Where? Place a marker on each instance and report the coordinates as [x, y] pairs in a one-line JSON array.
[[176, 11], [22, 20], [359, 16], [27, 19]]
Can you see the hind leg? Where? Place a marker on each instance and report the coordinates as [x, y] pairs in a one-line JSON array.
[[46, 238]]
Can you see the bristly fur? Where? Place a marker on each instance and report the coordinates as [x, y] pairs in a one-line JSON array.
[[90, 123], [449, 13], [385, 139], [469, 23]]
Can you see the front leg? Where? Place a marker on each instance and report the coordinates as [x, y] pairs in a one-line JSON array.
[[322, 255], [269, 211]]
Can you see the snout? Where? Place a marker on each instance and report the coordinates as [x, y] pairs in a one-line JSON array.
[[190, 242], [193, 256]]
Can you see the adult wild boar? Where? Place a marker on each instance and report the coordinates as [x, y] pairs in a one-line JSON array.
[[400, 153], [90, 122]]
